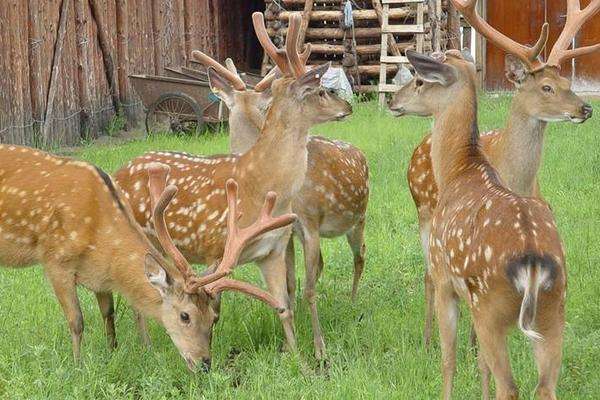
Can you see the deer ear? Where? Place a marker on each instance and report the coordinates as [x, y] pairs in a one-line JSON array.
[[430, 69], [156, 275], [220, 87], [310, 80], [515, 70]]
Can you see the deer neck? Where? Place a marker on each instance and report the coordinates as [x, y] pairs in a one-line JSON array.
[[278, 160], [520, 146], [126, 258], [455, 136], [245, 123]]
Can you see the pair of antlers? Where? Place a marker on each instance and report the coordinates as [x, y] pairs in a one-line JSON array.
[[576, 18], [288, 61], [237, 238], [230, 72]]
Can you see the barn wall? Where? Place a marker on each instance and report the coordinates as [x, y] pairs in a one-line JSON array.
[[55, 89]]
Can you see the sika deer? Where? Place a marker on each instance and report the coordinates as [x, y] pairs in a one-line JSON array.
[[498, 251], [277, 162], [69, 216], [542, 96], [333, 198]]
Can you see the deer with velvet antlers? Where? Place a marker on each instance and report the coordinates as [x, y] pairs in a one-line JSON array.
[[69, 216], [277, 162], [495, 249], [333, 199], [541, 96]]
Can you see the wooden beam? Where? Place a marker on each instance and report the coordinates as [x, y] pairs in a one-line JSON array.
[[333, 33], [327, 15], [56, 60], [107, 59]]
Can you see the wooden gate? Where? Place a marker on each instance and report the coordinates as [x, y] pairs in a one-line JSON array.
[[522, 21]]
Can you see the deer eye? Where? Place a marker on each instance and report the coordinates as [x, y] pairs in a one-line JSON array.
[[322, 92], [547, 89], [185, 317], [418, 83]]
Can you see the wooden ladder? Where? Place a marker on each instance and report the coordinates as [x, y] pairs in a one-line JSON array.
[[387, 29]]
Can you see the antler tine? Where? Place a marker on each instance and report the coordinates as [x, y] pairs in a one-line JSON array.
[[246, 288], [265, 82], [529, 55], [238, 238], [306, 53], [160, 197], [208, 61], [280, 59], [291, 45], [231, 66], [576, 18]]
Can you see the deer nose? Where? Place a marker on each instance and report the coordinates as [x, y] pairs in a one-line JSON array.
[[587, 110], [205, 364]]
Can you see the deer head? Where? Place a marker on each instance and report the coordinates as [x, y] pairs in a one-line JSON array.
[[541, 91], [247, 106], [189, 308], [299, 94], [430, 90]]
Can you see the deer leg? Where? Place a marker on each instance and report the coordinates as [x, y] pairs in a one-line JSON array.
[[63, 283], [140, 322], [491, 334], [446, 306], [485, 376], [429, 309], [548, 354], [356, 240], [312, 252], [273, 269], [290, 262], [107, 309], [424, 229]]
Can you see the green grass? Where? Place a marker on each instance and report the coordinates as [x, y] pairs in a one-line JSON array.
[[374, 345]]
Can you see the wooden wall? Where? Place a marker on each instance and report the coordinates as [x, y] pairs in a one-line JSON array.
[[55, 86]]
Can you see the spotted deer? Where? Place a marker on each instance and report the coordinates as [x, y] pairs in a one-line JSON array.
[[277, 162], [541, 96], [495, 249], [69, 216], [333, 199]]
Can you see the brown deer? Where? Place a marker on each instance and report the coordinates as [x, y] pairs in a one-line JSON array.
[[277, 162], [495, 249], [333, 199], [542, 96], [69, 216]]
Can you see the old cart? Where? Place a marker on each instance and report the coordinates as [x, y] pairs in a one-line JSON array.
[[184, 105], [182, 100]]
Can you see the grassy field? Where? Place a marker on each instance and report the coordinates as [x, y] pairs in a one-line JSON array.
[[374, 345]]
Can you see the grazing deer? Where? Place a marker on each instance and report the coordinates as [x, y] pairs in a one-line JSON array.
[[69, 216], [542, 96], [495, 249], [277, 162], [333, 199]]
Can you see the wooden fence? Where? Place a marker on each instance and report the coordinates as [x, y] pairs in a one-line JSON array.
[[64, 64]]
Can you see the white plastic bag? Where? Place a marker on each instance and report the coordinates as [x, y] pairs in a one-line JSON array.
[[336, 79]]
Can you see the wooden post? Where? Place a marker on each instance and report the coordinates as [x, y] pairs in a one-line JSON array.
[[107, 59], [56, 60]]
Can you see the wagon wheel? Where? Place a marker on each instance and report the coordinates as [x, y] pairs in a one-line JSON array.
[[180, 112]]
